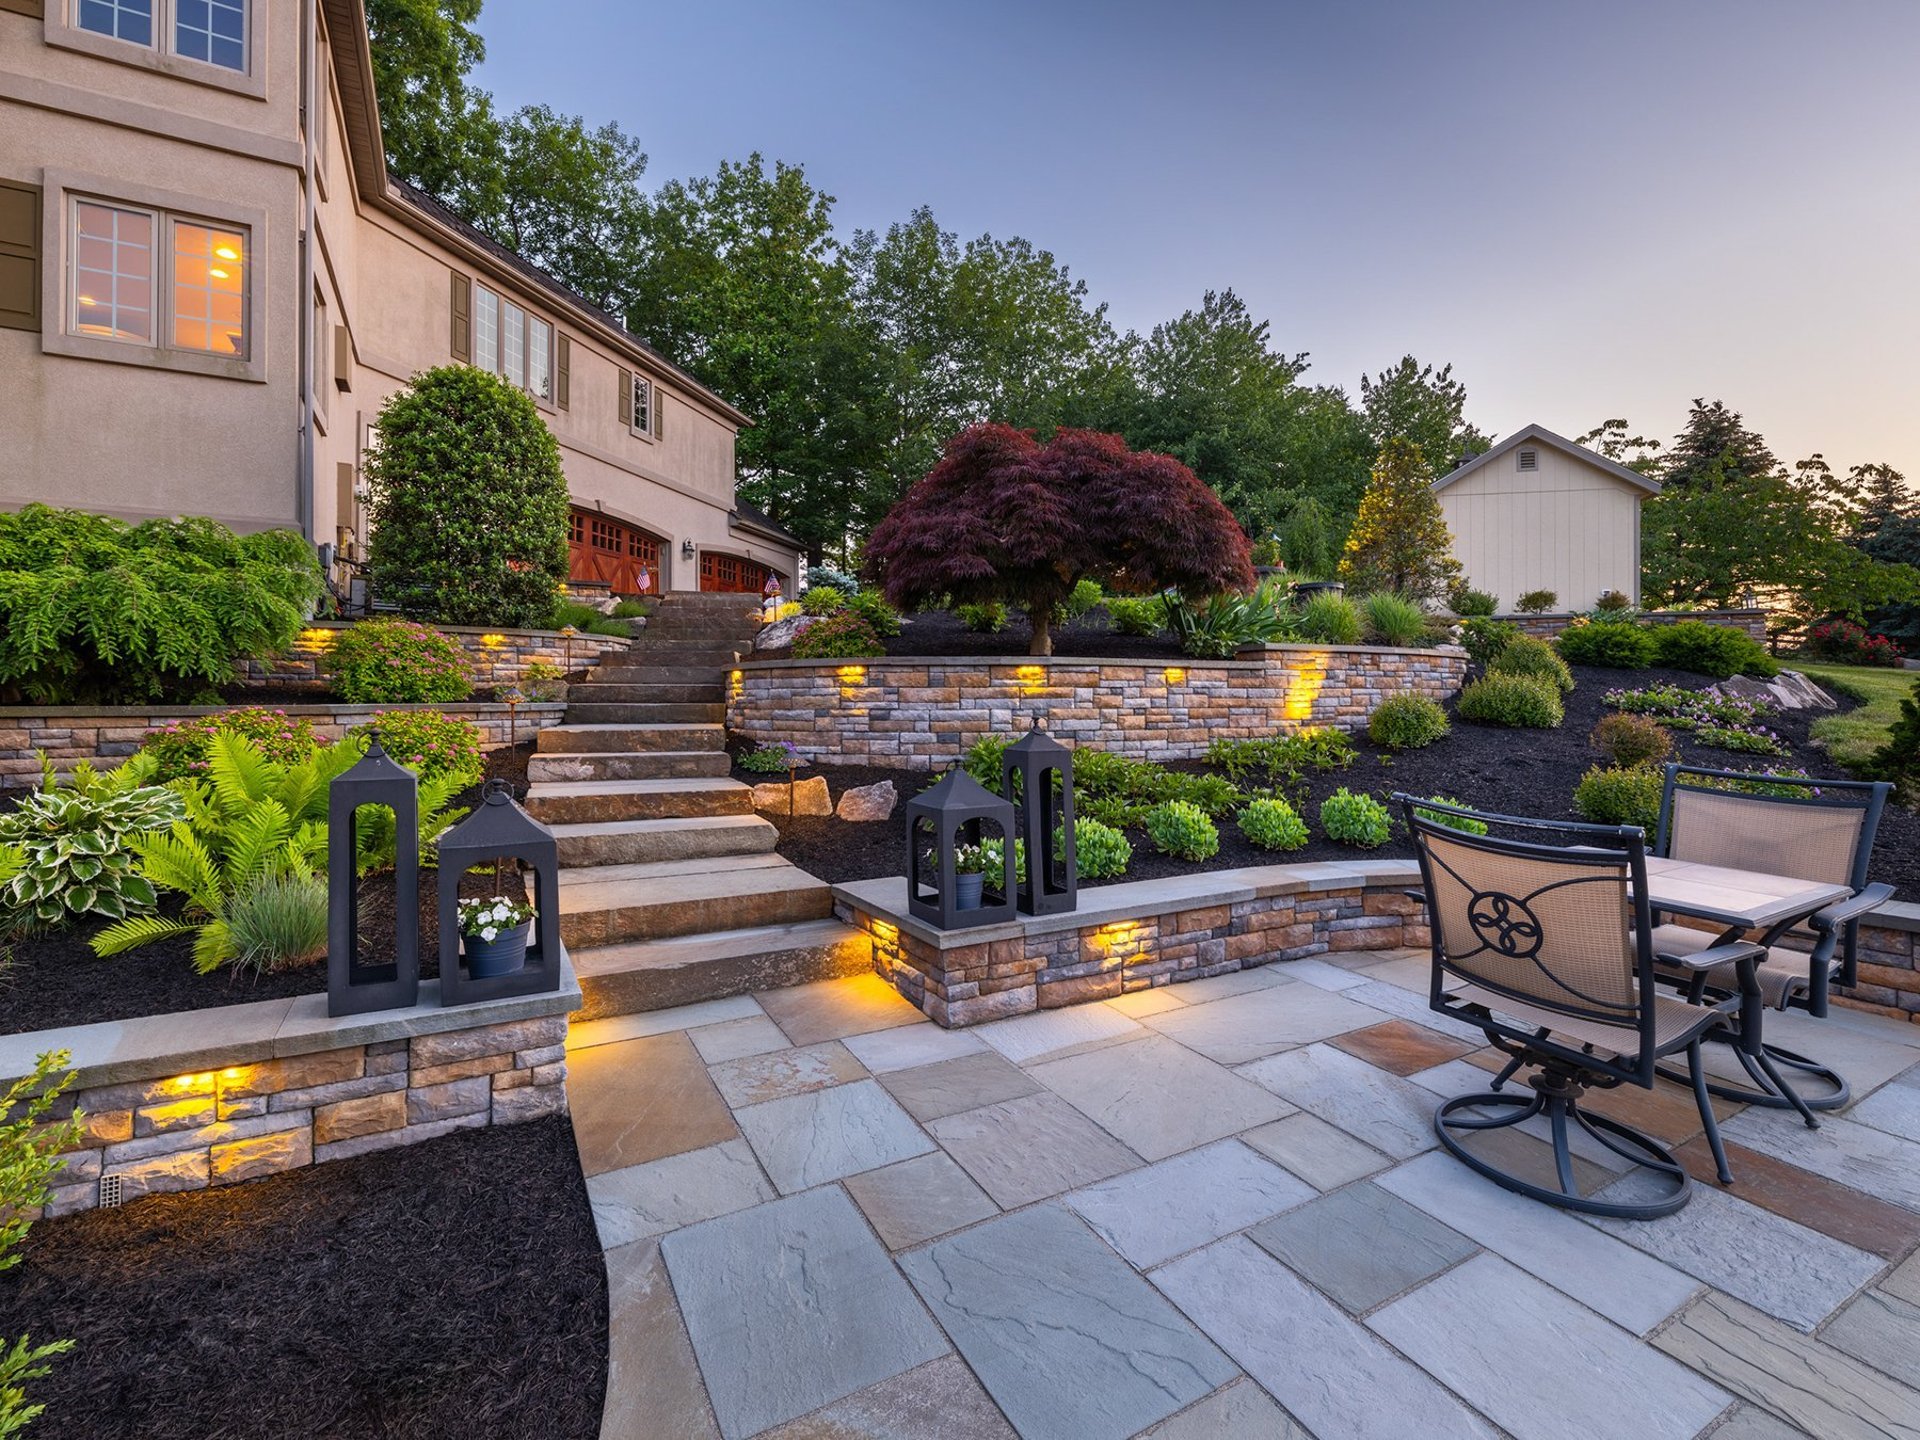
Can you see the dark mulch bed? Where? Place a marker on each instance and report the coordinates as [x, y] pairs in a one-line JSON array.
[[1516, 772], [452, 1288], [56, 980]]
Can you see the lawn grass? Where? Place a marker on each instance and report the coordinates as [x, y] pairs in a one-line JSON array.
[[1852, 737]]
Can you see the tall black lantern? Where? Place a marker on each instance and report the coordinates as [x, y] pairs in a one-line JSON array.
[[1043, 768], [951, 813], [355, 986], [499, 830]]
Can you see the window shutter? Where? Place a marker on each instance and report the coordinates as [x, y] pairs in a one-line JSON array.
[[659, 412], [563, 373], [19, 256], [342, 358], [626, 398], [461, 343]]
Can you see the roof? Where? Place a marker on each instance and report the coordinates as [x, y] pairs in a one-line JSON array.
[[754, 518], [1540, 435], [353, 73]]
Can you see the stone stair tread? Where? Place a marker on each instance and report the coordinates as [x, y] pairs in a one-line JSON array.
[[680, 950], [604, 727], [674, 882], [566, 830], [696, 784]]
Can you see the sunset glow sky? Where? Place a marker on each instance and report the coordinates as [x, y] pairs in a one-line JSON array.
[[1591, 210]]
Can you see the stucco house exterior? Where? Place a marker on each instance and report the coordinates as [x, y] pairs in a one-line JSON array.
[[1538, 512], [209, 284]]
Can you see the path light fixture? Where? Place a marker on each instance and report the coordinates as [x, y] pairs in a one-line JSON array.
[[354, 985], [567, 632], [1037, 774], [956, 810], [499, 831]]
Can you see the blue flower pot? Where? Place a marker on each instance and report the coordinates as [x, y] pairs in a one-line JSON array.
[[966, 891], [502, 955]]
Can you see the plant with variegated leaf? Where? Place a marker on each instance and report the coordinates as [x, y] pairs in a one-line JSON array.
[[68, 849]]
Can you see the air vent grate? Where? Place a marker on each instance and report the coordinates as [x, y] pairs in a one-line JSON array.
[[1529, 459], [110, 1192]]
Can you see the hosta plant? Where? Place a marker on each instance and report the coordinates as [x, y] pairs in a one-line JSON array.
[[69, 849]]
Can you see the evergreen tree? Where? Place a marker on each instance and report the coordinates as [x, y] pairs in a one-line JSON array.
[[1307, 541], [1400, 540], [1716, 438]]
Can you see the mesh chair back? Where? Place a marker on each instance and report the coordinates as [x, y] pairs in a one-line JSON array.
[[1823, 830], [1552, 927]]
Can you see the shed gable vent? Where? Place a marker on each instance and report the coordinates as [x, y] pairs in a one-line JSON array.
[[1529, 460]]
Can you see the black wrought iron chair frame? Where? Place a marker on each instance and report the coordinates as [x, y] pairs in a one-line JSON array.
[[1563, 1071], [1833, 960]]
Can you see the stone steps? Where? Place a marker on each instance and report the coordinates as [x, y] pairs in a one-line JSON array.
[[652, 657], [629, 765], [595, 692], [575, 802], [629, 978], [629, 713], [610, 904], [572, 739], [650, 842]]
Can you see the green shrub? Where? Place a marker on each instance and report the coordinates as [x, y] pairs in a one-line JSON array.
[[770, 759], [30, 1156], [1524, 655], [1537, 602], [396, 662], [872, 607], [1209, 794], [1615, 646], [278, 922], [1898, 760], [1467, 602], [1330, 619], [1355, 819], [1282, 759], [1613, 601], [1100, 852], [542, 681], [825, 576], [1484, 639], [1628, 740], [69, 851], [1517, 700], [985, 759], [846, 636], [1465, 824], [468, 503], [432, 745], [93, 611], [1133, 616], [987, 618], [823, 600], [1394, 619], [630, 609], [1716, 650], [180, 749], [1086, 595], [1217, 628], [1407, 722], [1272, 825], [586, 619], [1183, 831], [1620, 795]]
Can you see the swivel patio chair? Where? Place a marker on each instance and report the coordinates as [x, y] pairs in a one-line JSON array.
[[1548, 949], [1808, 829]]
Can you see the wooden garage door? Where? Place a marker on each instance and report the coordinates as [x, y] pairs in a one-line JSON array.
[[611, 552], [732, 575]]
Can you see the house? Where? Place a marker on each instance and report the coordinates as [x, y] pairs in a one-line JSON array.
[[1538, 512], [209, 283]]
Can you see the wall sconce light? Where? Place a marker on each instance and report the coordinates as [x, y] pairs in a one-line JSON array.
[[686, 548]]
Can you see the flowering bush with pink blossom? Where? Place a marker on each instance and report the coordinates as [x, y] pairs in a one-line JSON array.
[[180, 749], [430, 744]]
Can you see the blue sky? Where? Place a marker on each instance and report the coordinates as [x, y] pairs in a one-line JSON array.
[[1590, 209]]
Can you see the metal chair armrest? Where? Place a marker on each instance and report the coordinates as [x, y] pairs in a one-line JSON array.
[[1842, 912], [1733, 951], [1421, 895]]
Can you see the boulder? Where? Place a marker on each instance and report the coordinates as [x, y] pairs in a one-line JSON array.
[[806, 797], [868, 802], [782, 633], [1789, 690]]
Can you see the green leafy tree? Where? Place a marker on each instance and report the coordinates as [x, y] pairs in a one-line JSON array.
[[1400, 542], [1611, 439], [1307, 541], [1417, 403], [436, 126], [1326, 454], [469, 503]]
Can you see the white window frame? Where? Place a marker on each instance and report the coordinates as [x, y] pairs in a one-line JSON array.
[[65, 192], [63, 29], [490, 343], [645, 398]]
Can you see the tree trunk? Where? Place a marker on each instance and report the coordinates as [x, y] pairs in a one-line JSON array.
[[1040, 617]]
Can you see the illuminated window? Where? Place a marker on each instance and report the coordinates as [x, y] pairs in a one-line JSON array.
[[209, 289], [129, 20], [211, 30], [112, 272]]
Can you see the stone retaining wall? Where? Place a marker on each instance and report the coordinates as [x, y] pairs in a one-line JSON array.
[[500, 657], [1754, 622], [105, 736], [919, 713], [1889, 972]]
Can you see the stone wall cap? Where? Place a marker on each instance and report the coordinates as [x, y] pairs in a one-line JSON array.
[[1170, 662], [1896, 915], [154, 1046], [311, 710]]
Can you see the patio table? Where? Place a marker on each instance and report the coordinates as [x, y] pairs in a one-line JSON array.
[[1742, 902]]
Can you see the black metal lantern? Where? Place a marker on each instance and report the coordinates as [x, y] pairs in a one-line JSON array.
[[1043, 768], [951, 813], [500, 830], [355, 986]]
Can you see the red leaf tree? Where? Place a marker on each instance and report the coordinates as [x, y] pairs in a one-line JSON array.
[[1002, 517]]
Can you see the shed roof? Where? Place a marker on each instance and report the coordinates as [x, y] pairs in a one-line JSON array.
[[1540, 435]]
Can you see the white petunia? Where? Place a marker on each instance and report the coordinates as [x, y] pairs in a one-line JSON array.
[[489, 934]]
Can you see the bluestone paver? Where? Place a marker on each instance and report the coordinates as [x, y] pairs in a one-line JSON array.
[[1159, 1097], [918, 1199], [665, 1194], [1053, 1034], [1151, 1215], [1244, 1027], [1388, 1113], [906, 1046], [1027, 1149], [807, 1140], [1323, 1155], [1361, 1245]]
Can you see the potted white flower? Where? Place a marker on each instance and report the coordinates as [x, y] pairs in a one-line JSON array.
[[493, 934], [969, 875]]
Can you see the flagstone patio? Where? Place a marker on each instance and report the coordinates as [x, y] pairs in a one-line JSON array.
[[1216, 1211]]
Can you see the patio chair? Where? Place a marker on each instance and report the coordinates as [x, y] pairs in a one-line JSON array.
[[1813, 830], [1548, 949]]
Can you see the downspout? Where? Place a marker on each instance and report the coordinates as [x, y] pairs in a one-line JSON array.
[[303, 473]]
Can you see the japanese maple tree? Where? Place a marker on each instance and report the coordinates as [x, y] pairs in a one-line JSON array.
[[1003, 517]]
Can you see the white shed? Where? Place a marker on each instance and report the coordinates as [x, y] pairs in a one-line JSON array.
[[1538, 512]]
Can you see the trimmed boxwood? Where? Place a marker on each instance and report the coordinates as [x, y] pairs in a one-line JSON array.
[[1617, 645], [1517, 700], [1407, 722], [1524, 655]]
